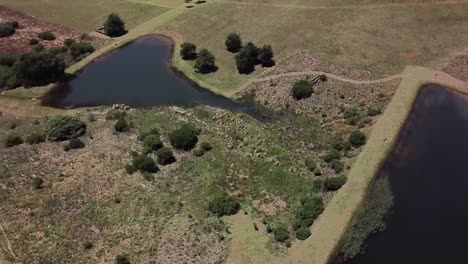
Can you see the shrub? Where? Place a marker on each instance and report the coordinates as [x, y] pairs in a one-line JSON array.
[[122, 259], [357, 138], [206, 146], [317, 184], [152, 142], [302, 89], [144, 163], [121, 125], [247, 58], [265, 56], [129, 169], [6, 30], [38, 48], [353, 115], [310, 209], [233, 42], [374, 110], [310, 164], [79, 48], [68, 42], [269, 229], [13, 140], [184, 138], [337, 143], [37, 183], [115, 115], [8, 59], [224, 204], [144, 134], [288, 243], [303, 233], [46, 35], [114, 26], [61, 128], [323, 77], [87, 245], [332, 155], [281, 233], [13, 23], [35, 138], [76, 143], [337, 166], [12, 125], [198, 152], [165, 156], [334, 183], [188, 51], [205, 62], [33, 69]]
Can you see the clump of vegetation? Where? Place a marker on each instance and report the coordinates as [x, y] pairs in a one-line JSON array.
[[247, 58], [122, 259], [34, 69], [61, 128], [152, 142], [224, 204], [129, 169], [144, 163], [374, 110], [76, 143], [165, 156], [334, 183], [12, 125], [309, 209], [46, 35], [114, 26], [205, 62], [337, 166], [265, 56], [357, 138], [8, 28], [37, 183], [13, 140], [79, 48], [185, 137], [121, 125], [33, 41], [233, 42], [303, 233], [353, 115], [35, 138], [369, 218], [144, 134], [188, 51], [68, 42], [87, 245], [332, 155], [302, 89], [281, 233], [206, 146], [311, 164], [38, 48], [115, 115]]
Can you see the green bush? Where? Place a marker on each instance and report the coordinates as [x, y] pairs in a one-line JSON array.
[[152, 142], [303, 233], [76, 143], [310, 209], [114, 26], [233, 42], [144, 163], [334, 183], [35, 138], [8, 59], [13, 140], [206, 146], [61, 128], [184, 138], [46, 35], [145, 133], [337, 166], [332, 155], [6, 30], [79, 48], [37, 183], [165, 156], [198, 152], [121, 125], [205, 62], [115, 115], [265, 56], [129, 169], [302, 89], [281, 233], [247, 58], [188, 51], [122, 259], [224, 204], [40, 68], [87, 245], [310, 164], [357, 138], [68, 42], [38, 48], [353, 115], [374, 110]]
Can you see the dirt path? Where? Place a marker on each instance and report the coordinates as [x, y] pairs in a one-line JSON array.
[[329, 75], [343, 6], [7, 242]]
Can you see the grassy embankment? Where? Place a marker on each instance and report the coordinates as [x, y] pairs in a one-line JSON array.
[[332, 224]]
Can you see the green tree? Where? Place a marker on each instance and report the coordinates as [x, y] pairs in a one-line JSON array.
[[302, 89], [114, 26], [184, 138], [233, 42], [79, 48], [303, 233], [247, 58], [6, 30], [265, 56], [34, 69], [224, 204], [188, 51], [357, 138], [334, 183], [205, 62], [165, 156], [281, 233]]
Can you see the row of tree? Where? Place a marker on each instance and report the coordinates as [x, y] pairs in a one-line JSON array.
[[204, 60]]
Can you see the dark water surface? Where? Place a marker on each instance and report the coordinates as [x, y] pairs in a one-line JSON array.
[[428, 173], [138, 74]]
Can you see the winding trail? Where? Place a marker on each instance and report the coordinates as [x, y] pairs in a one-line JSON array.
[[7, 242], [329, 75]]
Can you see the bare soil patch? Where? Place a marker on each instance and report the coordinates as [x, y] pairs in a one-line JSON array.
[[29, 27], [458, 66]]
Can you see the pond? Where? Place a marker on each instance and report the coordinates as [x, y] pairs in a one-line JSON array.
[[428, 175], [139, 74]]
